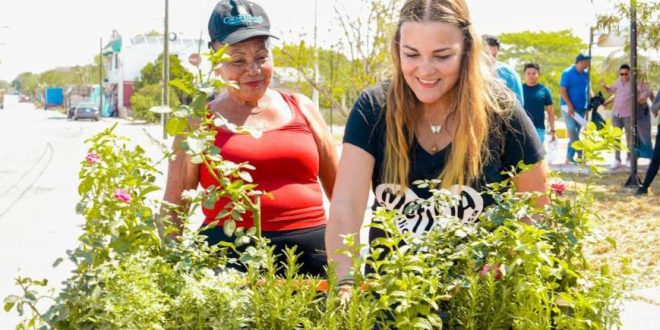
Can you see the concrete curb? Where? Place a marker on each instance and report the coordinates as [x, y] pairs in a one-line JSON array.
[[157, 141]]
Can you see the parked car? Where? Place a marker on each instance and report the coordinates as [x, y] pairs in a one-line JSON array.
[[86, 112]]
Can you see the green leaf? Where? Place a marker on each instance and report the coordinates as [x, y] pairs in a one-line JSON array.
[[411, 208], [243, 240], [245, 176], [199, 103], [10, 301], [57, 262], [420, 323], [196, 146], [182, 85], [611, 241], [85, 185], [31, 295], [229, 227], [176, 125]]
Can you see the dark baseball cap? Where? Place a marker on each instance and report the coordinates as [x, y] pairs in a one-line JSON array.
[[582, 57], [233, 21], [491, 40]]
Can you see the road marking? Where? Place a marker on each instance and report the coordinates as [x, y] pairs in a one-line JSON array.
[[27, 180]]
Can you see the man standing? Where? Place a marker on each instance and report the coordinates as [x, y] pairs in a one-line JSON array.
[[621, 112], [537, 100], [575, 94], [505, 72]]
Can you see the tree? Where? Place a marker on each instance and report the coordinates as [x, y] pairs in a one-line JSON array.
[[648, 28], [648, 21], [333, 67], [26, 83], [148, 90], [152, 73], [359, 61]]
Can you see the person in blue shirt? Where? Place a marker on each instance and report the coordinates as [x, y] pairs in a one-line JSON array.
[[538, 101], [506, 73], [575, 95]]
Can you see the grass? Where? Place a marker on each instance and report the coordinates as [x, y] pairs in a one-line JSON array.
[[632, 221]]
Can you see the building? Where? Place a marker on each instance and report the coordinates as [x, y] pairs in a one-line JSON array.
[[125, 60]]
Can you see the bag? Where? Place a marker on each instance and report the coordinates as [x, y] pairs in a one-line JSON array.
[[594, 103]]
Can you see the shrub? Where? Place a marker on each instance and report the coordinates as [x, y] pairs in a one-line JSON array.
[[147, 97]]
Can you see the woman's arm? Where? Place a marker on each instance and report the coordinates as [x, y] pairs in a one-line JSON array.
[[656, 103], [328, 158], [534, 180], [182, 175], [348, 203]]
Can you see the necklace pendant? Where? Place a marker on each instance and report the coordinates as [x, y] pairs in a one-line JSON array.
[[436, 129], [434, 148]]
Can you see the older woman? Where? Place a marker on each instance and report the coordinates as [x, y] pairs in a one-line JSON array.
[[293, 158], [443, 115]]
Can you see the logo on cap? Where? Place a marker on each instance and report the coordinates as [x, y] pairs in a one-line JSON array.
[[243, 19]]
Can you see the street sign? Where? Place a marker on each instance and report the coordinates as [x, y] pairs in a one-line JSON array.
[[194, 59]]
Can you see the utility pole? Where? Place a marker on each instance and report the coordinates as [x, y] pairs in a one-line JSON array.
[[100, 76], [633, 179], [315, 91], [591, 42], [166, 70]]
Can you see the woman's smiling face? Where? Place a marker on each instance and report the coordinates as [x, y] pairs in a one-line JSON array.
[[250, 68], [431, 54]]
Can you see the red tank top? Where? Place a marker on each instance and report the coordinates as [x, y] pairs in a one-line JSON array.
[[286, 162]]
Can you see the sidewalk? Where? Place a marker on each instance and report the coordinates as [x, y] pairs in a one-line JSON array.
[[643, 312], [155, 133]]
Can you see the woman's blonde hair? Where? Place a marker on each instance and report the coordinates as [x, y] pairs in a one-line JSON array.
[[478, 97]]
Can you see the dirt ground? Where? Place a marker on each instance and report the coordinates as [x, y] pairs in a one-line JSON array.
[[632, 221]]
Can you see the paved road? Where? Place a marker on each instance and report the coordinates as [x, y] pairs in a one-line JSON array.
[[39, 164]]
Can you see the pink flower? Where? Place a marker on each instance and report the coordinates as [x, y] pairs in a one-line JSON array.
[[485, 270], [488, 268], [122, 195], [93, 158], [558, 187]]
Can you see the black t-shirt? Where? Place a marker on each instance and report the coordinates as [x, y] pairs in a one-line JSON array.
[[366, 129]]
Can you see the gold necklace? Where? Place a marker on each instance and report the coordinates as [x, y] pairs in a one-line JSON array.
[[436, 130]]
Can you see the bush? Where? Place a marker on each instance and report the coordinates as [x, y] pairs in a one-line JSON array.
[[506, 272], [147, 97]]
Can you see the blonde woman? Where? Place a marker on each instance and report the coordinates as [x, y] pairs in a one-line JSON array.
[[443, 115]]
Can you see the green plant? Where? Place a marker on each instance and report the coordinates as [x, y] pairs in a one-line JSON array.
[[520, 267], [147, 97]]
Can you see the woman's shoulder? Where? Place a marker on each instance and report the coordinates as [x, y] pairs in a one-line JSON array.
[[371, 101]]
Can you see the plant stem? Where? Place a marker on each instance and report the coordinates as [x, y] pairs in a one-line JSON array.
[[257, 215], [35, 310]]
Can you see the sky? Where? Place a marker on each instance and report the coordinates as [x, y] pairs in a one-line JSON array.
[[38, 35]]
